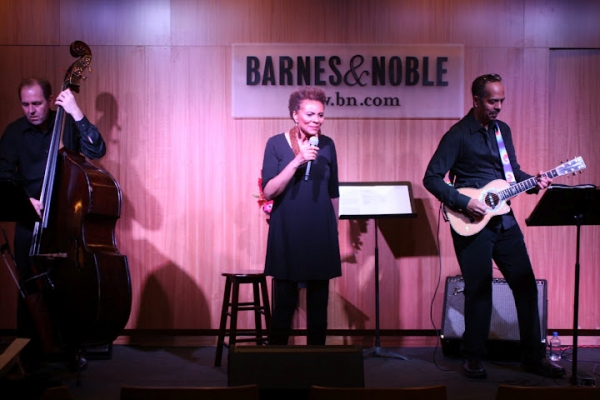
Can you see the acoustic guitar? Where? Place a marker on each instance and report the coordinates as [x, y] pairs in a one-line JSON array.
[[496, 193]]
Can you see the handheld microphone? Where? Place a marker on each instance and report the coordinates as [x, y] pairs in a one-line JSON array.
[[314, 141]]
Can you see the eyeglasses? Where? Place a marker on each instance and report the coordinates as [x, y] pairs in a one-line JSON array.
[[491, 78]]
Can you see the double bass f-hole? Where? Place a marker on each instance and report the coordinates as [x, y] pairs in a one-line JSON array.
[[77, 252]]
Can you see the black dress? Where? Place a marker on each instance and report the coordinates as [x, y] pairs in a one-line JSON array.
[[303, 238]]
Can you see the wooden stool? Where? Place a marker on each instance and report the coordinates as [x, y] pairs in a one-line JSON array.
[[232, 305]]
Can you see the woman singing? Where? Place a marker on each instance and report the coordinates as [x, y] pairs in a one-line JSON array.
[[302, 248]]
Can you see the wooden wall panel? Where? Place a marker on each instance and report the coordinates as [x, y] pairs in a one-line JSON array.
[[115, 22], [403, 243], [562, 24], [160, 92], [223, 22], [26, 61], [34, 22], [573, 130]]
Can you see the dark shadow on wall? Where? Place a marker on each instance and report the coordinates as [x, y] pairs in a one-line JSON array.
[[167, 288], [409, 237], [120, 167]]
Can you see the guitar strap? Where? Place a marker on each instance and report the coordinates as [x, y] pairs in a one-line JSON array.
[[508, 172]]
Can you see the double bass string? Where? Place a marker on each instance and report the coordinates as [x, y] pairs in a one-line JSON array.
[[48, 184]]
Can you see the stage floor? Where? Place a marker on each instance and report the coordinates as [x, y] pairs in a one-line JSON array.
[[194, 366]]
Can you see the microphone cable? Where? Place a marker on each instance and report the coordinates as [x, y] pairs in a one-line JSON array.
[[435, 292]]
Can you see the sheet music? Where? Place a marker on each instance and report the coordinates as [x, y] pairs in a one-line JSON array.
[[376, 199]]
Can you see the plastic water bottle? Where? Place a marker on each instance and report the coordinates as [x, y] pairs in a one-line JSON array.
[[555, 347]]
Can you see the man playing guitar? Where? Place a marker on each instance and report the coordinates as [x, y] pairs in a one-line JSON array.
[[475, 152]]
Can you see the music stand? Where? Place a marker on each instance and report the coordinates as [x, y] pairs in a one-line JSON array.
[[569, 205], [15, 204], [374, 200]]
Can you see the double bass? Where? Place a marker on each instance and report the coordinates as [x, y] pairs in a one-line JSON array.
[[87, 286]]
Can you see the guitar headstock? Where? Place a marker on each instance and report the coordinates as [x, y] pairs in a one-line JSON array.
[[571, 167]]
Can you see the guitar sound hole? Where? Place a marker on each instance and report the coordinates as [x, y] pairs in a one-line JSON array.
[[492, 200]]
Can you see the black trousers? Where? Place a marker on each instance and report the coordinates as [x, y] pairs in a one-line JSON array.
[[285, 302], [475, 254], [25, 322]]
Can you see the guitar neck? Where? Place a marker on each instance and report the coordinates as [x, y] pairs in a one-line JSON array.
[[524, 186]]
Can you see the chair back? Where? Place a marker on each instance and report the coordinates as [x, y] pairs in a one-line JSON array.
[[437, 392], [508, 392], [57, 393], [247, 392]]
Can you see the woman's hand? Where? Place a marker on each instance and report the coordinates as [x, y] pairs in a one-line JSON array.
[[307, 153]]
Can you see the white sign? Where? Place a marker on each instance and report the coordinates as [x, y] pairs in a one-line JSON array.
[[360, 81]]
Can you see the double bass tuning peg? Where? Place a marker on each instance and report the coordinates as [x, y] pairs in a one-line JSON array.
[[84, 77]]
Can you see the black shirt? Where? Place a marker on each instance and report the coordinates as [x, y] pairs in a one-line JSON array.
[[24, 149], [470, 153]]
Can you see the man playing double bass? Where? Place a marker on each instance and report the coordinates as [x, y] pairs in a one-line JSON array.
[[24, 150]]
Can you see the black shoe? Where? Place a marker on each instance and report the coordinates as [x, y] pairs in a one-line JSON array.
[[474, 369], [545, 367]]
